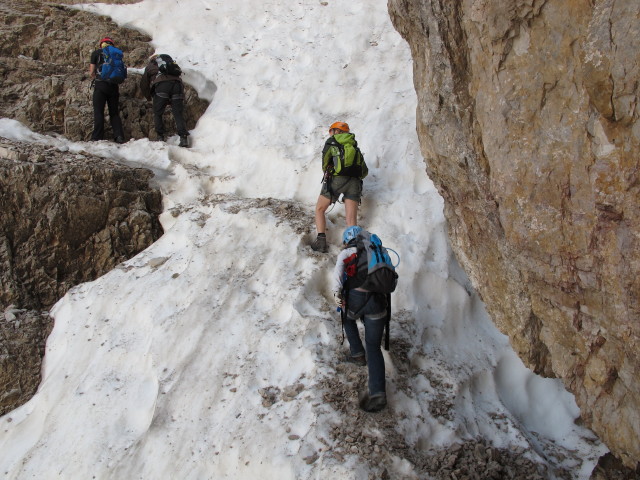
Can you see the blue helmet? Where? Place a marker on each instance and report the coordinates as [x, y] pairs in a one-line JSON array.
[[350, 233]]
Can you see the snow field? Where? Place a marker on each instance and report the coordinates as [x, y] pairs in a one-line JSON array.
[[202, 356]]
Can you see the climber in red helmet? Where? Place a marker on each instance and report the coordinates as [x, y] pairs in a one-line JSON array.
[[106, 90]]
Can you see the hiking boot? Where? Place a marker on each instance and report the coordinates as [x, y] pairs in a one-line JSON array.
[[119, 140], [359, 360], [184, 141], [373, 403], [320, 244]]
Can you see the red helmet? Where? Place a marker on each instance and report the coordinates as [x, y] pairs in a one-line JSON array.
[[340, 126], [106, 40]]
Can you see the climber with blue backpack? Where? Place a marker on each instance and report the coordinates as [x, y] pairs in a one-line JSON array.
[[107, 71], [343, 169], [363, 279]]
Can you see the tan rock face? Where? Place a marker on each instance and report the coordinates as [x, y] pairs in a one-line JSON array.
[[528, 122]]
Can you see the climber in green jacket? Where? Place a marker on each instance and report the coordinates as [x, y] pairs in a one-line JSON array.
[[344, 168]]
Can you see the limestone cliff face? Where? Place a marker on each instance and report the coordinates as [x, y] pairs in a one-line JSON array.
[[23, 333], [529, 125]]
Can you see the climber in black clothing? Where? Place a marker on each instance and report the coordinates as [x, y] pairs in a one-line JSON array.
[[104, 92]]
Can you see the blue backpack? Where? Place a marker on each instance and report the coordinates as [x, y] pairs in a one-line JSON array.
[[113, 69]]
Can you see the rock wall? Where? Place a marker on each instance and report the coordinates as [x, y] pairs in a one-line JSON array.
[[528, 123], [67, 219], [44, 64]]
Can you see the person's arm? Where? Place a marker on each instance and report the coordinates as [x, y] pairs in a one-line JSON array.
[[338, 272], [327, 157], [93, 64], [339, 276], [145, 83]]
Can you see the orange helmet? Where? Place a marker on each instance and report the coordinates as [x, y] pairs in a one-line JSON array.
[[340, 126]]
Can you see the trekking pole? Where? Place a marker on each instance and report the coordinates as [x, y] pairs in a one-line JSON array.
[[387, 323], [343, 312]]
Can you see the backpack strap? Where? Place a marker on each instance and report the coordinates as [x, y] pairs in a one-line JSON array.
[[100, 62], [332, 142], [340, 154], [326, 179]]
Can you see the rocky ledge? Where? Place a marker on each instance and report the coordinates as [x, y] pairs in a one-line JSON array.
[[66, 218]]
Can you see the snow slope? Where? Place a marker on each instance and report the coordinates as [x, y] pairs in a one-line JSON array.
[[212, 353]]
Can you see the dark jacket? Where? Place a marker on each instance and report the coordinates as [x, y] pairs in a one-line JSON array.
[[152, 76], [97, 59]]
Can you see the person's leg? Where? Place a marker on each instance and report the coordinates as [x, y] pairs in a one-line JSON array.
[[99, 101], [321, 207], [320, 243], [356, 303], [177, 107], [353, 337], [161, 98], [114, 114], [352, 196], [351, 212], [159, 104], [374, 329]]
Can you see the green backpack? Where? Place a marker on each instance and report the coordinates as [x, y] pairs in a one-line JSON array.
[[347, 158]]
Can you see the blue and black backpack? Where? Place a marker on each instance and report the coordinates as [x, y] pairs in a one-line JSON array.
[[113, 69], [371, 269]]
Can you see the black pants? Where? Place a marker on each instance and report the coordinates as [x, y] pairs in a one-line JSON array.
[[106, 93], [165, 93]]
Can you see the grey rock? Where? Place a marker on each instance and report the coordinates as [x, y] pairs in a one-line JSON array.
[[66, 219]]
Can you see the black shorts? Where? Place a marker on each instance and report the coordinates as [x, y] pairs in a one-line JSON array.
[[350, 187]]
